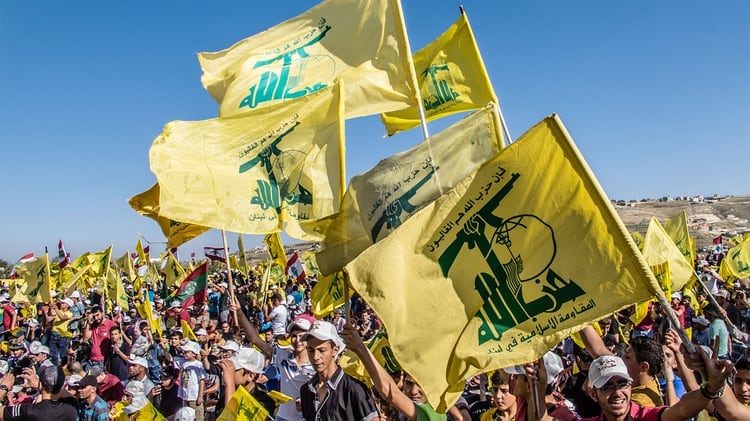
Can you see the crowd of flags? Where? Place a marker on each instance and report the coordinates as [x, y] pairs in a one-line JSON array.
[[497, 251]]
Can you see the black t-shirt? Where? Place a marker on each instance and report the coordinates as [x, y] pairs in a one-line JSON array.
[[168, 403], [65, 409]]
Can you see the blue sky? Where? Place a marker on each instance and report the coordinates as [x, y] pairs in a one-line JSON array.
[[656, 95]]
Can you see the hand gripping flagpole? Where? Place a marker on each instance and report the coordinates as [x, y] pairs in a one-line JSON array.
[[229, 274]]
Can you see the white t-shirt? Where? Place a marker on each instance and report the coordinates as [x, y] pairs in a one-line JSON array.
[[279, 316], [293, 376], [191, 373]]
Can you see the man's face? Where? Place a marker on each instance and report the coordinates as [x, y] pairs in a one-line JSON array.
[[298, 345], [321, 354], [116, 335], [742, 386], [98, 317], [669, 358], [86, 392], [614, 397], [632, 363], [225, 327], [174, 341], [502, 397], [413, 390], [134, 371]]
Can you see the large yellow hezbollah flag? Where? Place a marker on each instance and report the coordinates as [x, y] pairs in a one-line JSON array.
[[382, 198], [659, 248], [328, 294], [100, 262], [451, 76], [502, 267], [677, 228], [738, 259], [36, 274], [243, 407], [147, 204], [361, 42], [250, 174]]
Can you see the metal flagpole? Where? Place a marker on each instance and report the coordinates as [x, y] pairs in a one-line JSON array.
[[229, 273]]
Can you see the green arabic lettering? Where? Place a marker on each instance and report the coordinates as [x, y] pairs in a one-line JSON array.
[[443, 92]]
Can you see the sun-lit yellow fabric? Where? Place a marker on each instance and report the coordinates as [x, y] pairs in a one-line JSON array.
[[249, 174], [451, 76], [360, 42], [502, 267], [382, 198], [243, 407], [36, 274], [677, 229], [658, 248]]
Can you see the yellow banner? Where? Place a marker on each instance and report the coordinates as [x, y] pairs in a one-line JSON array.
[[738, 260], [243, 407], [677, 229], [36, 274], [172, 270], [275, 248], [382, 198], [125, 266], [328, 294], [658, 248], [451, 76], [282, 163], [177, 233], [504, 266], [116, 291], [360, 42]]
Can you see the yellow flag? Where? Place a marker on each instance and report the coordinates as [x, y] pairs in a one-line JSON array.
[[725, 273], [71, 279], [242, 263], [36, 274], [663, 277], [659, 248], [177, 233], [125, 266], [360, 42], [116, 291], [382, 198], [502, 267], [80, 263], [451, 76], [187, 331], [677, 229], [311, 264], [283, 163], [738, 259], [279, 397], [275, 248], [638, 238], [146, 311], [243, 407], [328, 294], [142, 254], [380, 348], [149, 413], [640, 313], [172, 270], [100, 262]]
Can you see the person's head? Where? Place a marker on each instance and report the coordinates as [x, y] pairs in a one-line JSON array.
[[229, 349], [669, 357], [610, 385], [97, 315], [137, 367], [645, 356], [741, 382], [191, 350], [145, 329], [226, 328], [323, 345], [168, 377], [297, 329], [502, 397], [16, 349], [86, 388], [248, 365], [700, 323], [686, 300], [700, 297], [583, 358], [75, 367], [275, 299], [66, 304], [115, 334], [412, 389], [38, 352], [711, 312], [175, 339], [51, 379], [98, 373]]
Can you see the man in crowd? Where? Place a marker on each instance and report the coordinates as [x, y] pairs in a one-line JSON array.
[[55, 404], [243, 370], [91, 407], [98, 332]]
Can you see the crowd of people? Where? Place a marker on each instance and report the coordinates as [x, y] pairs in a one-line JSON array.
[[79, 357]]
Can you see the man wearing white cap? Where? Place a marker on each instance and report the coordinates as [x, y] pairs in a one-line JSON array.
[[293, 365], [332, 394], [138, 371], [192, 379], [59, 316], [78, 309], [39, 354], [243, 370]]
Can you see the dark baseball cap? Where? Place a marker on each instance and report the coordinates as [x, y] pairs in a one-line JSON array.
[[88, 381]]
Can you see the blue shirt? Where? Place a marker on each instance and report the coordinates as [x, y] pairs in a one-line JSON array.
[[98, 411]]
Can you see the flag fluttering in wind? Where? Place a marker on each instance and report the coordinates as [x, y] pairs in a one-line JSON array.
[[360, 42], [243, 407], [677, 229], [738, 259], [295, 268], [147, 204], [62, 255], [381, 199], [275, 248], [35, 271], [25, 258], [280, 164], [193, 289], [659, 248], [502, 267], [452, 79], [215, 253]]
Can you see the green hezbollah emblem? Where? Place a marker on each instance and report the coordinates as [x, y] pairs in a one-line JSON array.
[[502, 242], [441, 93]]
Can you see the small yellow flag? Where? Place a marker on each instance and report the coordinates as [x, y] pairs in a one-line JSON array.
[[328, 294], [177, 233], [514, 258], [187, 331], [738, 259], [172, 270], [275, 248], [452, 79], [382, 198], [282, 163], [677, 228], [36, 274], [243, 407], [659, 248], [360, 42], [116, 291]]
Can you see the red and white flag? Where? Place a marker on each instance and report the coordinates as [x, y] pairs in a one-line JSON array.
[[215, 253], [296, 268], [25, 258], [63, 256]]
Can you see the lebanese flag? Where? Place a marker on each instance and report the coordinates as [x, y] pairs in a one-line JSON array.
[[193, 289], [295, 268], [718, 248], [718, 240], [63, 256], [215, 253], [25, 258]]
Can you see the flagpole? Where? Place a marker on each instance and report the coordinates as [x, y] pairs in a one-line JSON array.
[[229, 274], [417, 93]]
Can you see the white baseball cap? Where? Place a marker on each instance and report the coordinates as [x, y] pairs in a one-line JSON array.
[[185, 413], [192, 347], [230, 346], [138, 361], [250, 359], [606, 367], [68, 301], [325, 331], [75, 294], [175, 304], [36, 347], [299, 323], [201, 331]]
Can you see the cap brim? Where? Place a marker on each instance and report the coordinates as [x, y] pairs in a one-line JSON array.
[[604, 379]]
